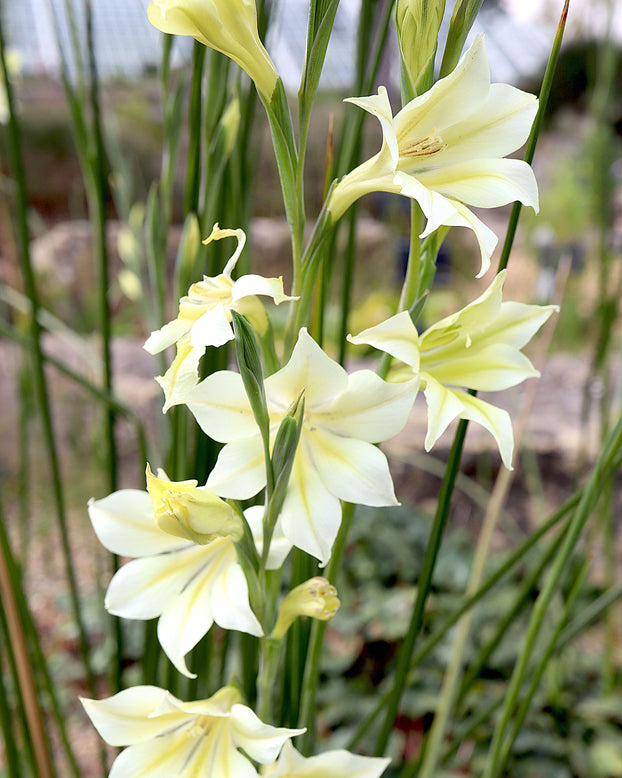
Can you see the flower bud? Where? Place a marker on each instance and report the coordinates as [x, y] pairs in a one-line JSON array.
[[228, 26], [186, 511], [418, 23], [316, 598]]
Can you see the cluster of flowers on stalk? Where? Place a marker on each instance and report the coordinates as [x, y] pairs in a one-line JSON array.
[[303, 439]]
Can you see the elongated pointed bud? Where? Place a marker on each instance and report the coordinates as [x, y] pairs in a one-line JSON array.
[[284, 451], [229, 26], [251, 370], [418, 23], [316, 598]]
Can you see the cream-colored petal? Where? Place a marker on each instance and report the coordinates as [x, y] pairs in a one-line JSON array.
[[500, 126], [220, 406], [397, 336], [240, 470], [212, 328], [474, 318], [260, 741], [450, 100], [217, 756], [486, 238], [516, 324], [125, 525], [218, 234], [495, 420], [311, 515], [183, 374], [164, 757], [353, 470], [229, 596], [380, 107], [484, 183], [490, 369], [331, 764], [443, 407], [144, 588], [370, 409], [124, 719], [309, 368], [253, 284], [437, 209], [167, 335]]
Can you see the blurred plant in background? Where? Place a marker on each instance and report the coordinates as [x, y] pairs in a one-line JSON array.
[[432, 648]]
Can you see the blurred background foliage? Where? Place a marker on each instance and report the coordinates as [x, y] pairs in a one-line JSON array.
[[144, 195]]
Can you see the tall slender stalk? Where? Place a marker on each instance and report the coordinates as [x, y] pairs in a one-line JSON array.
[[16, 156]]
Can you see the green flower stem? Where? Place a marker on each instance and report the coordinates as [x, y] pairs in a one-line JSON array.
[[96, 391], [270, 657], [530, 149], [541, 666], [193, 168], [287, 163], [15, 150], [7, 722], [318, 628], [423, 588], [410, 287], [23, 669], [435, 638], [571, 538]]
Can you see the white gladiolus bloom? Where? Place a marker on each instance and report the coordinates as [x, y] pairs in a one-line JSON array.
[[446, 150], [188, 586], [205, 318], [477, 348], [168, 737], [335, 460]]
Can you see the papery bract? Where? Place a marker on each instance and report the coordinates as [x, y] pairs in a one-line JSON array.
[[477, 348], [335, 459], [168, 737], [205, 318], [446, 150], [188, 586], [229, 26]]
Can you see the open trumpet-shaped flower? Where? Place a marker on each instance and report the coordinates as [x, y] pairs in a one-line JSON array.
[[168, 737], [446, 150], [205, 318], [335, 459], [188, 586], [477, 348], [229, 26], [331, 764]]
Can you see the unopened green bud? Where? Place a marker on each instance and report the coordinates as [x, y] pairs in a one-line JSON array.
[[230, 124], [251, 370], [316, 598], [418, 23], [187, 253], [284, 451], [184, 510]]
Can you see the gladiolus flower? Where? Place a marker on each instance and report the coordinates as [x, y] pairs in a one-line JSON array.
[[446, 150], [477, 348], [205, 318], [188, 586], [228, 26], [335, 459], [168, 737]]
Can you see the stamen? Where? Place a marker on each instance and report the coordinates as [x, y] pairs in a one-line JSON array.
[[423, 147]]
